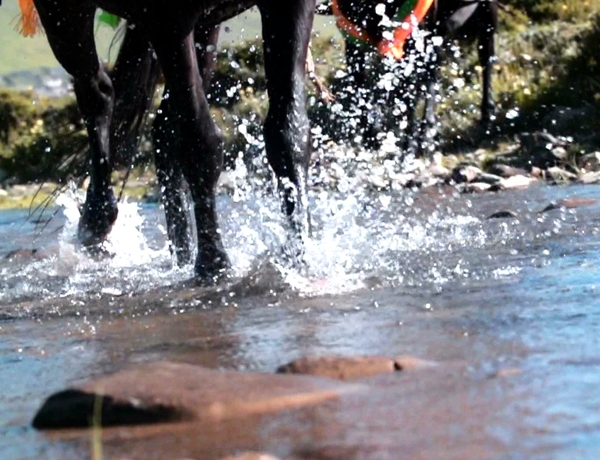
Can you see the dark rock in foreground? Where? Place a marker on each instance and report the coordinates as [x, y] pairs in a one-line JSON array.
[[169, 392]]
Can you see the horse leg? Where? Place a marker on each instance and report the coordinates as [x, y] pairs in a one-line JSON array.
[[409, 97], [170, 179], [486, 52], [428, 125], [358, 60], [72, 42], [165, 134], [286, 33], [199, 153]]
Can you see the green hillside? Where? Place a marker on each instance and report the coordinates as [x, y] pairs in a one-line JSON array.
[[19, 53]]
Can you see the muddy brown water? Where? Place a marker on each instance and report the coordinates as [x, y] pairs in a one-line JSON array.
[[508, 308]]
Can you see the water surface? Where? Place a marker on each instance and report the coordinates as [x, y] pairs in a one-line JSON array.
[[509, 306]]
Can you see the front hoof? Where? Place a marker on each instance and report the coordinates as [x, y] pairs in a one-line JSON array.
[[488, 127], [212, 270], [97, 220], [183, 254], [98, 252], [293, 253]]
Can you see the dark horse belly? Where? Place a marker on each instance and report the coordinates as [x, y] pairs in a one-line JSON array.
[[179, 12]]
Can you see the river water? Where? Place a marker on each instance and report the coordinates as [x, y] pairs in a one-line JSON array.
[[421, 273]]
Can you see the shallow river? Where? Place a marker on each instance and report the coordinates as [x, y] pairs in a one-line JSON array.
[[424, 274]]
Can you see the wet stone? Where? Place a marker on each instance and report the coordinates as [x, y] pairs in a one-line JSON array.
[[474, 187], [516, 182], [590, 178], [543, 149], [24, 254], [570, 203], [589, 162], [405, 363], [172, 392], [487, 178], [505, 171], [340, 367], [536, 172], [440, 171], [503, 215], [462, 174], [561, 175]]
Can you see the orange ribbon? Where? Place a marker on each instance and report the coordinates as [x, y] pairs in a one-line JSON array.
[[30, 21], [394, 48]]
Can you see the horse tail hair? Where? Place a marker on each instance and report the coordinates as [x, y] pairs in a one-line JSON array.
[[135, 77]]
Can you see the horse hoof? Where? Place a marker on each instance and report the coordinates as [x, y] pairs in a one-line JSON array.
[[183, 255], [97, 219], [293, 252], [210, 274], [98, 252]]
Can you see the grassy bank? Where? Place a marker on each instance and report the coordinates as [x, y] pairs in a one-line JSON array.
[[545, 80]]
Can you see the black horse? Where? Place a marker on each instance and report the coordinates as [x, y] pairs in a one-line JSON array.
[[188, 143], [449, 19]]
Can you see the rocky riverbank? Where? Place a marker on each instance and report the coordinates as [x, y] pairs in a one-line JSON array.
[[46, 81]]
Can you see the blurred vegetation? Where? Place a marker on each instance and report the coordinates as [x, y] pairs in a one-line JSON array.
[[541, 11], [547, 77]]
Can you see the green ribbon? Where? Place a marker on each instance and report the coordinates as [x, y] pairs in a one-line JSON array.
[[111, 20], [405, 10], [402, 14]]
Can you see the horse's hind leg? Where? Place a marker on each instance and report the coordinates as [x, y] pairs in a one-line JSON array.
[[166, 134], [72, 41], [199, 154], [286, 32]]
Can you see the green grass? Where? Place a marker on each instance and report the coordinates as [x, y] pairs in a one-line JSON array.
[[19, 53]]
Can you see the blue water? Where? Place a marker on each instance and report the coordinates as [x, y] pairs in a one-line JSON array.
[[427, 275]]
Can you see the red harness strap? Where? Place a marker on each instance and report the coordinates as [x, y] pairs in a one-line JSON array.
[[393, 48]]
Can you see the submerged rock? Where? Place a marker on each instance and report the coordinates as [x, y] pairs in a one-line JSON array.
[[340, 367], [170, 392]]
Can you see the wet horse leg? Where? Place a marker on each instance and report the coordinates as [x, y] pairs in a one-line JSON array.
[[486, 52], [199, 153], [409, 97], [358, 63], [428, 128], [166, 134], [72, 41], [286, 33]]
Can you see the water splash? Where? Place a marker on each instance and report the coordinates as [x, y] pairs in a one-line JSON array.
[[359, 237]]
